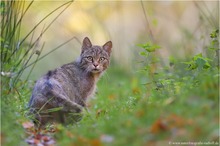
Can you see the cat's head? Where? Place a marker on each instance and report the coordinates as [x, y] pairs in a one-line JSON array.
[[93, 58]]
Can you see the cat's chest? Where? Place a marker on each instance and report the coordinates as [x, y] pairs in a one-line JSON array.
[[80, 85], [88, 88]]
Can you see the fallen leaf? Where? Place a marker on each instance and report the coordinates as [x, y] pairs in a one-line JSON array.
[[81, 140], [140, 113], [169, 101], [95, 142], [159, 126], [112, 96], [33, 141], [40, 140], [69, 134], [150, 143], [176, 121], [28, 125], [100, 112], [45, 138], [107, 138], [136, 90], [2, 138]]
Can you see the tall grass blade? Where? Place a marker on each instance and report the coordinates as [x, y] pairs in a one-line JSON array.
[[16, 53]]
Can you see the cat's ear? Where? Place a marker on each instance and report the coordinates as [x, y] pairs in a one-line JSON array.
[[86, 43], [107, 47]]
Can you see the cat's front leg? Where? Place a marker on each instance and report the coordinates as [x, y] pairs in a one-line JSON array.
[[60, 100], [68, 112]]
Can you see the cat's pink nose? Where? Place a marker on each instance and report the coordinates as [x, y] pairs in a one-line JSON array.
[[95, 65]]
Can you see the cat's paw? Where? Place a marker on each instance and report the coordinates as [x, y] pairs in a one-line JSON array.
[[76, 110]]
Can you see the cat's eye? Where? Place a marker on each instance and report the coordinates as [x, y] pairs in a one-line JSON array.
[[101, 59], [89, 58]]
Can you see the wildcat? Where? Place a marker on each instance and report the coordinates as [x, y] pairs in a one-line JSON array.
[[61, 94]]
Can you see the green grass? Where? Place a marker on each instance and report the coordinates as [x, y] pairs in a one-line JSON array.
[[122, 111], [127, 112]]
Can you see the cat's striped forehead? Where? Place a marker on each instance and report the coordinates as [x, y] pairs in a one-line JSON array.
[[95, 51]]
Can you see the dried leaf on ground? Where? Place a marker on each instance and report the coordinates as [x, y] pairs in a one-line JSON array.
[[106, 138], [159, 126], [27, 125], [40, 140]]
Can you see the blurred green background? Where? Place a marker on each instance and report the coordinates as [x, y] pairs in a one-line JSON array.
[[181, 28]]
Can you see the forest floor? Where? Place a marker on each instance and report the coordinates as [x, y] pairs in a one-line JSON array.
[[126, 111]]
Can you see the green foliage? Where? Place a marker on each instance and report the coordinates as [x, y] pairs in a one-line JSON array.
[[212, 50], [214, 34], [148, 47], [151, 60], [198, 62]]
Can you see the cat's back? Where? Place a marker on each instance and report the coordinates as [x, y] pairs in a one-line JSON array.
[[58, 79], [66, 74]]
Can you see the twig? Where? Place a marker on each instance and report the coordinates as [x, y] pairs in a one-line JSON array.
[[204, 14], [148, 24], [51, 51]]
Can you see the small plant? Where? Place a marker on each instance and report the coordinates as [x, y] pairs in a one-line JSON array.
[[170, 83], [148, 47], [151, 59], [214, 47], [198, 62]]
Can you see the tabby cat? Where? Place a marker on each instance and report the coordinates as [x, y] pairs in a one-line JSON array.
[[61, 94]]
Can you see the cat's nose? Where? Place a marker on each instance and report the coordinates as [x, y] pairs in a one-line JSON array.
[[95, 64]]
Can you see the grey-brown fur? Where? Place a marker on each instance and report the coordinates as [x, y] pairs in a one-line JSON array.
[[65, 89]]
